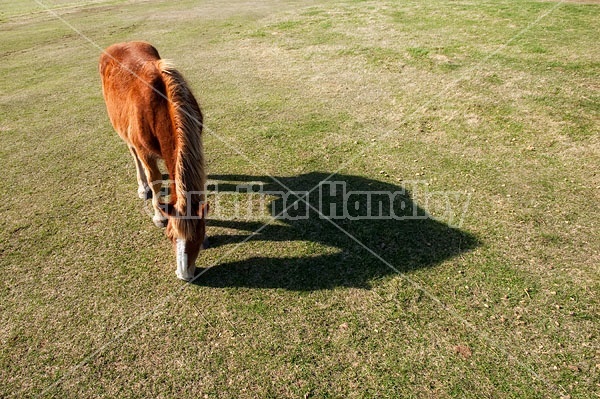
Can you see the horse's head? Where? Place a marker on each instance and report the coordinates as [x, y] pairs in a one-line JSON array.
[[188, 235]]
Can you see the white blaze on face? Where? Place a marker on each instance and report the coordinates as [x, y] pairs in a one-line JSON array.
[[183, 271]]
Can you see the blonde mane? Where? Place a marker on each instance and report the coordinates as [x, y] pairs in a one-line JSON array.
[[190, 176]]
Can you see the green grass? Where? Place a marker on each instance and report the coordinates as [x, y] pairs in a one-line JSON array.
[[469, 98]]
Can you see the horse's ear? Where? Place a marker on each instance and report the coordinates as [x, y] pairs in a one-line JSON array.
[[203, 210]]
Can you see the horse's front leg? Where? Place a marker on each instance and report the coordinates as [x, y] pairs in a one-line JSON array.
[[143, 186], [154, 178]]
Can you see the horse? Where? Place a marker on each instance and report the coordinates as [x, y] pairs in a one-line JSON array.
[[152, 108]]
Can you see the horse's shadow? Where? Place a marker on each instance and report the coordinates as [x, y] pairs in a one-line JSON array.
[[397, 237]]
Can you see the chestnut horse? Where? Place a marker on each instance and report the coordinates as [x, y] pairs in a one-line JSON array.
[[154, 111]]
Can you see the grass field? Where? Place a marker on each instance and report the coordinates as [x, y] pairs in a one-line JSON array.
[[484, 115]]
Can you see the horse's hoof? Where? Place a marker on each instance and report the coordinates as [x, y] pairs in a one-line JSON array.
[[160, 222], [144, 193]]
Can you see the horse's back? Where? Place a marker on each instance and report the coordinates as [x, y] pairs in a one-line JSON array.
[[132, 85], [131, 56]]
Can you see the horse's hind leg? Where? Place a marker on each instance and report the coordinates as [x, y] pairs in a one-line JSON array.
[[143, 186]]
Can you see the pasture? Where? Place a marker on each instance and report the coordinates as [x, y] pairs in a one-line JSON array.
[[482, 116]]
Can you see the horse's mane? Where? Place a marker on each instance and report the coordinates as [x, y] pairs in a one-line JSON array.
[[190, 176]]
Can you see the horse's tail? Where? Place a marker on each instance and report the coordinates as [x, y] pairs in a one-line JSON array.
[[190, 176]]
